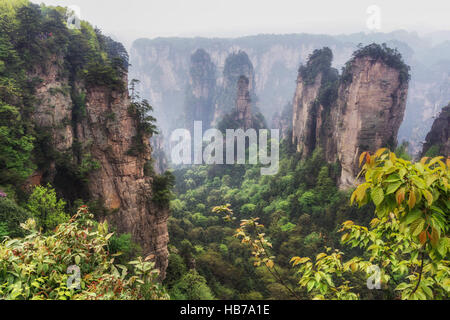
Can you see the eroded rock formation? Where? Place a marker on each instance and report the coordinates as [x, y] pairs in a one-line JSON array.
[[102, 137], [236, 65], [243, 103], [361, 111]]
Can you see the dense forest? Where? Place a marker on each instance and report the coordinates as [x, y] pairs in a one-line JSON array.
[[233, 233], [302, 212]]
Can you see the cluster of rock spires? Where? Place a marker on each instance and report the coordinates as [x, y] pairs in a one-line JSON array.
[[344, 115], [209, 100], [361, 110], [105, 133]]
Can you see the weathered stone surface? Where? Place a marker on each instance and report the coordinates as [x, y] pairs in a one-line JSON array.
[[369, 113], [53, 112], [365, 115], [305, 115], [121, 182], [106, 133]]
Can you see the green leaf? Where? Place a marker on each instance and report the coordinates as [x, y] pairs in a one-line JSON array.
[[310, 285], [377, 195], [427, 194], [393, 187], [417, 226], [402, 286], [412, 216], [393, 178]]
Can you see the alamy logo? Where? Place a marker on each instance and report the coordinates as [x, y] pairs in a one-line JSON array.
[[235, 140], [374, 281], [74, 280]]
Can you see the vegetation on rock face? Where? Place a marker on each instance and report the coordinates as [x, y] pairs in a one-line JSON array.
[[33, 39], [382, 52], [319, 62], [146, 126], [437, 141]]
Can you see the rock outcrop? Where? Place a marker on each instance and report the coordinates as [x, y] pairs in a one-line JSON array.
[[243, 103], [120, 182], [361, 111], [236, 65], [369, 112], [100, 136], [437, 142], [314, 99]]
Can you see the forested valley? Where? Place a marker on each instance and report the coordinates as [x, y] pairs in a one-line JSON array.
[[90, 209]]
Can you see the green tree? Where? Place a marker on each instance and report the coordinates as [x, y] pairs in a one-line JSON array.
[[192, 286], [15, 147], [46, 208]]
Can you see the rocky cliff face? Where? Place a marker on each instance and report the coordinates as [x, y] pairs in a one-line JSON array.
[[314, 97], [369, 112], [101, 138], [361, 111], [305, 115], [120, 182], [437, 142]]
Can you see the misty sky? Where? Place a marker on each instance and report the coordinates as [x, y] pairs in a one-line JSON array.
[[131, 19]]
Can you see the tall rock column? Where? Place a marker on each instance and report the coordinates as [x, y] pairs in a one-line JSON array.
[[314, 98], [243, 103], [304, 115], [370, 109], [236, 65]]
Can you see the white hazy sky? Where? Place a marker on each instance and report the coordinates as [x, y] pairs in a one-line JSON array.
[[131, 19]]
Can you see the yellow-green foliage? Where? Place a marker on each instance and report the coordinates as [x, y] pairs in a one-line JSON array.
[[408, 241], [405, 248], [36, 267], [10, 6]]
